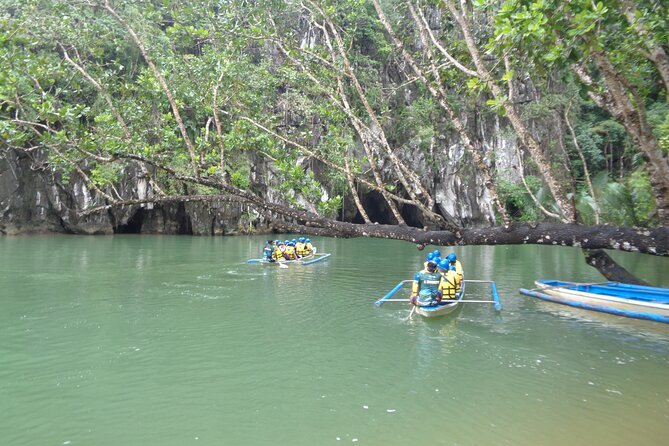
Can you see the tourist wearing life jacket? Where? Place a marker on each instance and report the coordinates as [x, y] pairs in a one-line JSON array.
[[455, 263], [290, 253], [284, 250], [425, 288], [448, 286], [281, 249], [301, 247], [309, 248], [436, 255]]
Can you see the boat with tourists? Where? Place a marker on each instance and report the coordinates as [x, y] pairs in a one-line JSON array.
[[445, 307], [297, 251], [442, 308], [622, 299], [306, 260], [438, 289]]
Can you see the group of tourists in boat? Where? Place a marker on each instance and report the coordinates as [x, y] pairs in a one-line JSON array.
[[440, 279], [276, 250]]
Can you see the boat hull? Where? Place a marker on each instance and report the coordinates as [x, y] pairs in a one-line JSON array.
[[444, 308], [640, 303]]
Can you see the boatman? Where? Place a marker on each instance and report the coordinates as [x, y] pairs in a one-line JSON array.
[[425, 288], [268, 251]]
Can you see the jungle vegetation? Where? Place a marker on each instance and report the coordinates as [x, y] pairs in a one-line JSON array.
[[330, 93]]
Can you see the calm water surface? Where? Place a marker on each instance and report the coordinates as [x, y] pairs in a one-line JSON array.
[[130, 340]]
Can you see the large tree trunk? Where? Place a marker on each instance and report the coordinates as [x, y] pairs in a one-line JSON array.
[[600, 260], [646, 241]]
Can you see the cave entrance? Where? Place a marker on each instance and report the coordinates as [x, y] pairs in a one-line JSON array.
[[134, 224], [411, 216], [377, 208], [184, 224]]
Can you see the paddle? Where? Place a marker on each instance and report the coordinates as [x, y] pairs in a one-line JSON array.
[[412, 310]]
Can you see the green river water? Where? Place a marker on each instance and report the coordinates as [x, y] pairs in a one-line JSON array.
[[143, 340]]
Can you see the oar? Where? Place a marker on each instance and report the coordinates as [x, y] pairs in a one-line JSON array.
[[412, 310]]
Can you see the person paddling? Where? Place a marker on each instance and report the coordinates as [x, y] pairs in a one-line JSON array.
[[425, 288], [268, 251]]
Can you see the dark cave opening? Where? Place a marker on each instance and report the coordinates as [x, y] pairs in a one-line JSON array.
[[134, 224], [411, 216], [184, 224], [377, 208]]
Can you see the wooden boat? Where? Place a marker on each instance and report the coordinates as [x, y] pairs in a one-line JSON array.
[[634, 301], [307, 260]]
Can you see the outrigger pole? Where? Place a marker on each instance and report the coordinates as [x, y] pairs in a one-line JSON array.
[[493, 287], [392, 292]]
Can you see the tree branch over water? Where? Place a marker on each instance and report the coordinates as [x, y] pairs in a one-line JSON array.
[[646, 241]]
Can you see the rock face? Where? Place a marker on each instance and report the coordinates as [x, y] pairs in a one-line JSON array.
[[35, 199]]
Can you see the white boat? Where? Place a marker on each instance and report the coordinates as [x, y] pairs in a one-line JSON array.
[[444, 307]]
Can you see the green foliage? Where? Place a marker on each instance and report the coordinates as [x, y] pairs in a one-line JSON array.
[[626, 203], [330, 208], [591, 145], [104, 175], [658, 118], [517, 201], [663, 135], [230, 46], [240, 179]]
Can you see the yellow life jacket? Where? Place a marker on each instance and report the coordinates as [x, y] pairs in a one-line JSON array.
[[458, 271], [309, 248], [301, 248], [291, 252], [448, 284], [279, 254]]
